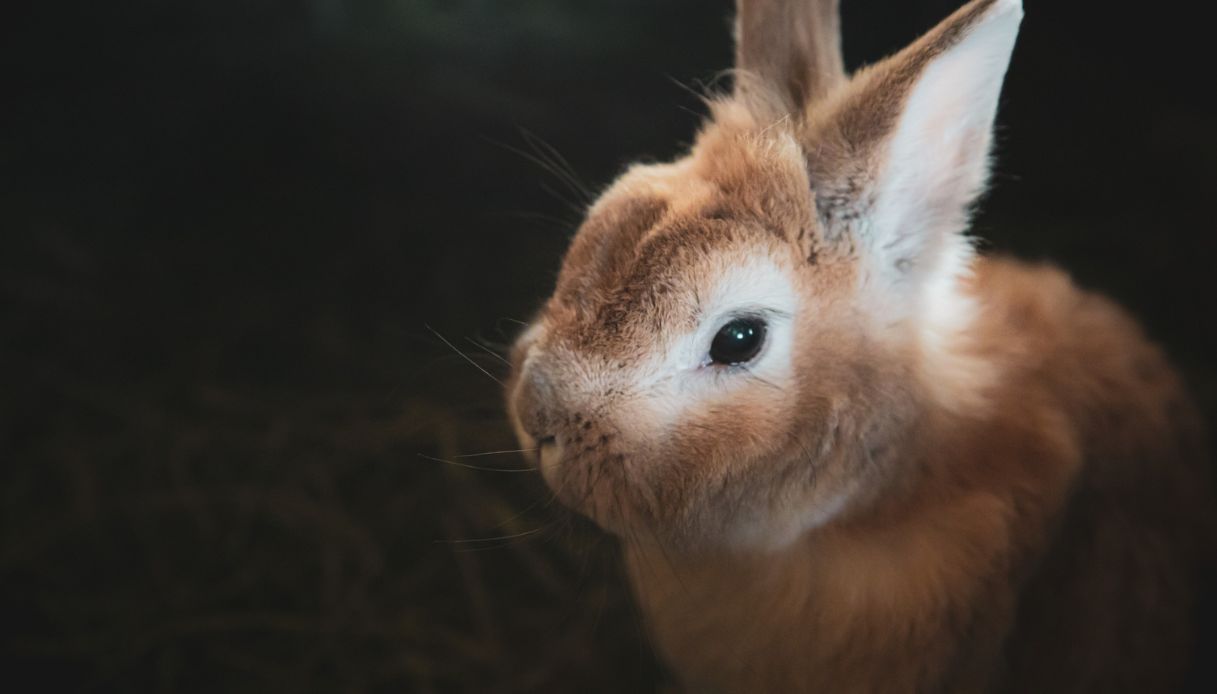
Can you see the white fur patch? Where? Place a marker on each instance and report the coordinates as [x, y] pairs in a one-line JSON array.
[[937, 163], [937, 160], [683, 378]]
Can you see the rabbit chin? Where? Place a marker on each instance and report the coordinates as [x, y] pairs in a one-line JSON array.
[[587, 481], [697, 501], [760, 520]]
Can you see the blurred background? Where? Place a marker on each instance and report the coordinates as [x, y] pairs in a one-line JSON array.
[[235, 231]]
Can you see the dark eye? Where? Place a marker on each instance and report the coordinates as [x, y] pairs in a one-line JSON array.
[[738, 341]]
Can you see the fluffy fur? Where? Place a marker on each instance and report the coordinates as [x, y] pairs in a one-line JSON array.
[[942, 472]]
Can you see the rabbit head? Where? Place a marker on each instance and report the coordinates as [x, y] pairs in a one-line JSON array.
[[739, 341]]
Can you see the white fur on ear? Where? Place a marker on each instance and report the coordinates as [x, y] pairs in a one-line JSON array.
[[936, 161], [934, 165]]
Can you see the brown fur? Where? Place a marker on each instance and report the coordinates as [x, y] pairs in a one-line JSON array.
[[977, 578], [794, 45], [1020, 507]]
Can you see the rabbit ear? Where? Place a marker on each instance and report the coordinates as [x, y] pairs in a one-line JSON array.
[[787, 52], [898, 158]]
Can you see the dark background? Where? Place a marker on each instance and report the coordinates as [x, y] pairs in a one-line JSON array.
[[226, 226]]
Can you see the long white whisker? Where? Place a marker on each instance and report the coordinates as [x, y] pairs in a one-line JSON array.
[[464, 356], [487, 350]]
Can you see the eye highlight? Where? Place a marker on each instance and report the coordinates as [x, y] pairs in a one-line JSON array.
[[738, 342]]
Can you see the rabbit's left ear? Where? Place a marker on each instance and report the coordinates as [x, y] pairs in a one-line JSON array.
[[787, 53], [898, 157]]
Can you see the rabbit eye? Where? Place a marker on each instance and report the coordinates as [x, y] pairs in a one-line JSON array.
[[738, 341]]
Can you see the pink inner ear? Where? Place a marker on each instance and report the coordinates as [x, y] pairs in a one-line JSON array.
[[937, 158]]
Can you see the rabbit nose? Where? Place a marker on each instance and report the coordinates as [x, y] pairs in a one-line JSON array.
[[537, 404], [551, 403]]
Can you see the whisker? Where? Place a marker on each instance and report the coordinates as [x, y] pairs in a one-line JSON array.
[[499, 538], [487, 548], [559, 162], [752, 375], [574, 207], [477, 467], [766, 382], [479, 455], [561, 223], [511, 519], [546, 166], [553, 497], [487, 350], [703, 96], [554, 170], [690, 111], [506, 333], [464, 356]]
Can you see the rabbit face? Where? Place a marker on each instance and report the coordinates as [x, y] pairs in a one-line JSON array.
[[690, 376], [736, 337]]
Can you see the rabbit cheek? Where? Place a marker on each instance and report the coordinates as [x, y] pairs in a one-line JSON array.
[[705, 480]]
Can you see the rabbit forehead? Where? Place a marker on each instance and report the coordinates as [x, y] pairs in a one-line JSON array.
[[741, 186], [674, 275], [739, 171]]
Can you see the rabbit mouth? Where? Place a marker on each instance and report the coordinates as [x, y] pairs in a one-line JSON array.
[[593, 483]]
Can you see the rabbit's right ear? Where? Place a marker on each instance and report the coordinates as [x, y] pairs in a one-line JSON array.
[[898, 158], [787, 53]]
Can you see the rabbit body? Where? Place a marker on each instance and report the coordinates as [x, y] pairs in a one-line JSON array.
[[1047, 546], [844, 453]]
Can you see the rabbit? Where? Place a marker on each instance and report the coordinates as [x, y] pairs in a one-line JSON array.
[[841, 450]]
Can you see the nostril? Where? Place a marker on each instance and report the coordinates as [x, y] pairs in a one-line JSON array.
[[547, 452]]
